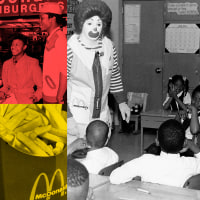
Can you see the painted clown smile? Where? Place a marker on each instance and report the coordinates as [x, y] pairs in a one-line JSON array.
[[93, 35]]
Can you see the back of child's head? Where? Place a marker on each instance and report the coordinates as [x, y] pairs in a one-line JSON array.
[[77, 180], [171, 136], [183, 80], [97, 133]]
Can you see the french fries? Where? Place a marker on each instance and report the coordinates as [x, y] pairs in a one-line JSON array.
[[35, 129]]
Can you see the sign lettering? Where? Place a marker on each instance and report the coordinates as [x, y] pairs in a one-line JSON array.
[[24, 7]]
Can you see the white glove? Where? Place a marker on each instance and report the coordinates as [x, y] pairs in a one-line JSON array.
[[125, 111]]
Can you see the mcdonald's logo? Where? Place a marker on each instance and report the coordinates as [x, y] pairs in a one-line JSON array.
[[49, 192], [79, 103]]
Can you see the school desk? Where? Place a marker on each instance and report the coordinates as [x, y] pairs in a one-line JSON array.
[[153, 119], [137, 190]]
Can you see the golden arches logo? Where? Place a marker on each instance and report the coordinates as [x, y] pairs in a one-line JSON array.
[[49, 186]]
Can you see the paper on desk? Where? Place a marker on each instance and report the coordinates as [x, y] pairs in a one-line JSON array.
[[97, 180], [131, 193]]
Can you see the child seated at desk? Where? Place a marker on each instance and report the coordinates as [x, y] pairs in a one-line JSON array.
[[178, 96], [168, 168], [191, 119], [99, 156]]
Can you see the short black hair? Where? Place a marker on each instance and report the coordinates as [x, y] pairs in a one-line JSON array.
[[171, 136], [21, 37], [97, 133], [77, 174], [60, 20], [89, 8], [195, 91]]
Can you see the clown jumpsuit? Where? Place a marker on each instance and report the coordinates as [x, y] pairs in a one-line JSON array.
[[80, 81]]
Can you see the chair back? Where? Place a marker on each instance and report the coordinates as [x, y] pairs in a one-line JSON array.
[[107, 170], [193, 182], [137, 98]]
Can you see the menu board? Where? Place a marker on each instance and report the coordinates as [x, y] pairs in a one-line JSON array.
[[182, 38]]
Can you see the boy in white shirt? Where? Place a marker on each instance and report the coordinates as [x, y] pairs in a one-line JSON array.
[[169, 167], [99, 156]]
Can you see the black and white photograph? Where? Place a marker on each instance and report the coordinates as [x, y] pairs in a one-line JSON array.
[[133, 99]]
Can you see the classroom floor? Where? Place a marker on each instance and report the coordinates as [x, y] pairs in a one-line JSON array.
[[127, 143]]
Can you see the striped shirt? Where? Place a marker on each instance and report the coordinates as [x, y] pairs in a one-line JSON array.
[[116, 85]]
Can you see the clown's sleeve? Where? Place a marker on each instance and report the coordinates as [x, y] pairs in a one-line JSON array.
[[69, 61], [116, 85]]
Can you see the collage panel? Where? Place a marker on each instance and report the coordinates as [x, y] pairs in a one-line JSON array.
[[33, 53], [33, 151], [133, 89]]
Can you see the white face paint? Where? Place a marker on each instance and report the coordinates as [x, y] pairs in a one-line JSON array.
[[92, 28]]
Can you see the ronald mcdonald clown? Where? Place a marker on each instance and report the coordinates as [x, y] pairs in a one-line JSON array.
[[92, 69]]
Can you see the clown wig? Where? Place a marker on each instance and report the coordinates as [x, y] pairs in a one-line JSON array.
[[90, 8]]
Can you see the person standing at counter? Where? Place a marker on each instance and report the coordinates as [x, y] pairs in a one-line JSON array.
[[92, 67], [55, 54], [20, 74]]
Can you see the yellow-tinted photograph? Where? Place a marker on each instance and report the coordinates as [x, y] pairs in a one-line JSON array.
[[33, 152]]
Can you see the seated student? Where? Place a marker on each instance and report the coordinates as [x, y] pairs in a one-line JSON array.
[[99, 156], [191, 119], [20, 74], [178, 96], [169, 167], [77, 181]]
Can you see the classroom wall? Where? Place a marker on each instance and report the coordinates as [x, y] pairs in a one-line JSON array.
[[116, 26], [187, 64]]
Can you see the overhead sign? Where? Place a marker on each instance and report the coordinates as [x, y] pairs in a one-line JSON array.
[[24, 7]]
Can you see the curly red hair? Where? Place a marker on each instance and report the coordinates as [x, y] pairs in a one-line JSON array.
[[90, 8]]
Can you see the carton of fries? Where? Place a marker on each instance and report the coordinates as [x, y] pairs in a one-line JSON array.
[[33, 152]]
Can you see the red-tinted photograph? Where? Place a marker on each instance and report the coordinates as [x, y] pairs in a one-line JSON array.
[[33, 52]]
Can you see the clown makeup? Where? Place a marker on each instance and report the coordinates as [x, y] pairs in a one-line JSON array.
[[91, 30]]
